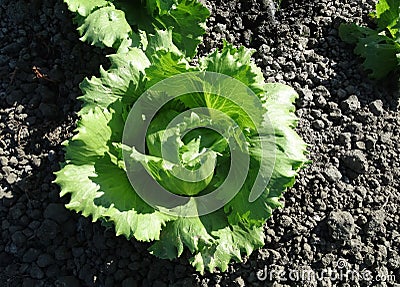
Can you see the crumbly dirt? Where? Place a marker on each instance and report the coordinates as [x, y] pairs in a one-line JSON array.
[[341, 215]]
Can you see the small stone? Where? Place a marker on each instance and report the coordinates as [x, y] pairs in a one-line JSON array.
[[306, 97], [318, 124], [320, 101], [47, 230], [49, 111], [36, 161], [13, 161], [345, 138], [341, 225], [68, 281], [285, 221], [44, 260], [3, 161], [31, 255], [18, 238], [356, 161], [376, 107], [332, 174], [159, 283], [239, 282], [220, 28], [362, 220], [36, 272], [7, 170], [360, 145], [5, 259], [376, 224], [77, 251], [350, 104], [369, 259], [56, 212], [335, 114], [11, 178], [62, 253], [129, 282], [327, 259]]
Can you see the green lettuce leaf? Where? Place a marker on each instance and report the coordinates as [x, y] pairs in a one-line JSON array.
[[388, 16], [380, 48]]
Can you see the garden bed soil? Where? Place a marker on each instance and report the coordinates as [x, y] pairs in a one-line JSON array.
[[342, 213]]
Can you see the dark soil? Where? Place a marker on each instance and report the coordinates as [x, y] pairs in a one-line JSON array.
[[342, 214]]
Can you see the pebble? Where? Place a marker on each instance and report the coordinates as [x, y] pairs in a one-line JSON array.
[[56, 212], [318, 124], [3, 161], [47, 230], [31, 255], [129, 282], [376, 107], [44, 260], [11, 178], [351, 104], [68, 281], [332, 173], [239, 282], [356, 161], [49, 111], [18, 238], [36, 272], [341, 224]]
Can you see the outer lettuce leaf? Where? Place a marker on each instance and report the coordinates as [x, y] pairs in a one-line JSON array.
[[99, 187], [105, 26], [187, 17], [230, 242], [90, 141], [84, 7], [189, 232], [123, 78], [288, 148], [117, 23]]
